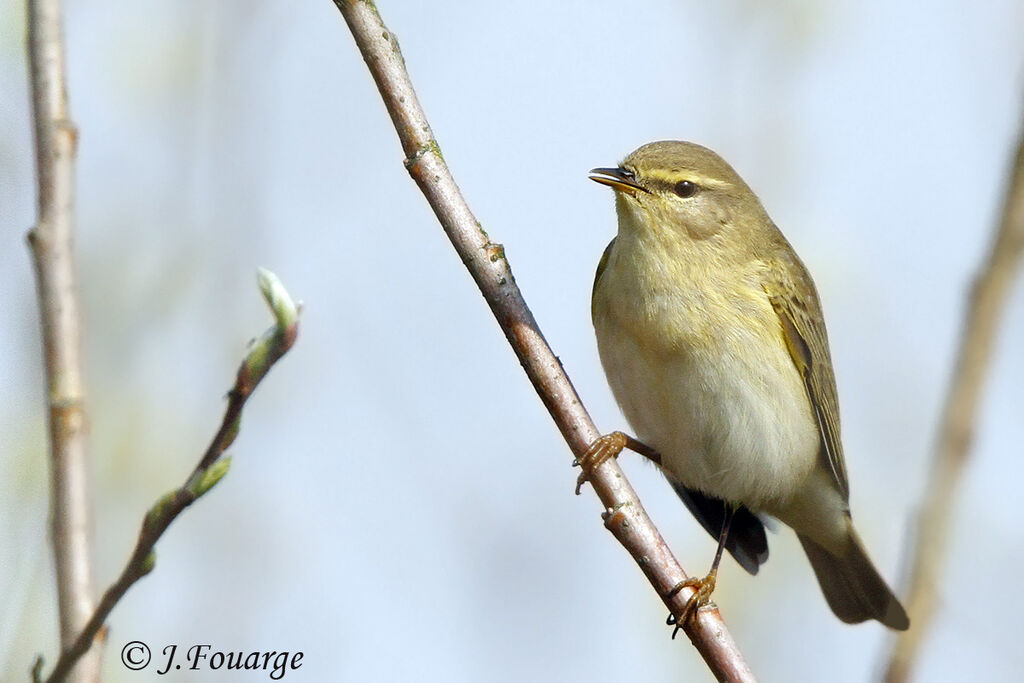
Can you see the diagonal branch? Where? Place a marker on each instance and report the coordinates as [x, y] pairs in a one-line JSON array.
[[624, 516], [985, 308], [51, 243], [211, 467]]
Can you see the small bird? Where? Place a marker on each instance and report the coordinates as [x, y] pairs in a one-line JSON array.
[[711, 334]]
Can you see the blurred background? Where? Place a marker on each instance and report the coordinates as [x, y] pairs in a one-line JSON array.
[[400, 505]]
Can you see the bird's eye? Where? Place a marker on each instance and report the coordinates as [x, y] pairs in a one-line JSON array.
[[685, 189]]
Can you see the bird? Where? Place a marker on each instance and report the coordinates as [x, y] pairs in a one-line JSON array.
[[710, 332]]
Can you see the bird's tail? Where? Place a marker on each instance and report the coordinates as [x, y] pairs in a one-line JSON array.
[[852, 586]]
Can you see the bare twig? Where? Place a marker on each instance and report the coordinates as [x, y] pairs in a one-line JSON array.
[[51, 243], [625, 517], [987, 300], [211, 467]]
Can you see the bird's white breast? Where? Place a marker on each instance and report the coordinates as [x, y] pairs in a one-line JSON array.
[[703, 376]]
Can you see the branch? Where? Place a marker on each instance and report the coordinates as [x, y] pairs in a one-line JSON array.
[[624, 516], [956, 431], [52, 253], [211, 467]]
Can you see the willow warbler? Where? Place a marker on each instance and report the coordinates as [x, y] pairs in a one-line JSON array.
[[711, 334]]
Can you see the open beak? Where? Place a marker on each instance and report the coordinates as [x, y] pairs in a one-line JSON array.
[[618, 179]]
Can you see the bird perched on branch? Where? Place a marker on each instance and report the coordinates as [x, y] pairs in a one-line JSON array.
[[711, 334]]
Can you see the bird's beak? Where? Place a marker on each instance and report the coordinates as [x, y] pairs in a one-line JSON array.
[[618, 179]]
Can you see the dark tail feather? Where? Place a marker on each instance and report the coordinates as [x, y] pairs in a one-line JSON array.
[[852, 586], [746, 542]]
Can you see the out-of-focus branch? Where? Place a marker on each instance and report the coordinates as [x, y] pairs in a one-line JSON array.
[[624, 515], [51, 242], [211, 467], [956, 431]]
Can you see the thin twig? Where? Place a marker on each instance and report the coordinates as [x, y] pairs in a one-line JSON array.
[[51, 242], [211, 467], [956, 431], [486, 261]]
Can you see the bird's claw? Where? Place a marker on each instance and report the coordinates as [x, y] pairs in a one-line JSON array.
[[603, 448], [702, 590]]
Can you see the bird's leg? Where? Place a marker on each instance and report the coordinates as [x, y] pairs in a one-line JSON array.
[[609, 446], [703, 588]]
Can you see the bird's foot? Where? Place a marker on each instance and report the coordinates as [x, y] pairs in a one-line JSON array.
[[603, 448], [702, 590]]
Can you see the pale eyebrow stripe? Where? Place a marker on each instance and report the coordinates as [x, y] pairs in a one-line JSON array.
[[670, 178]]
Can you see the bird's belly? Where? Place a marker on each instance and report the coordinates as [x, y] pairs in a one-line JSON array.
[[730, 419]]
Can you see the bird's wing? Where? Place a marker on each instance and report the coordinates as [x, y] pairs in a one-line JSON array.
[[804, 330], [746, 541]]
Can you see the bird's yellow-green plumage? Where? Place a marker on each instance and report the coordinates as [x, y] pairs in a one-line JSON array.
[[712, 337]]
